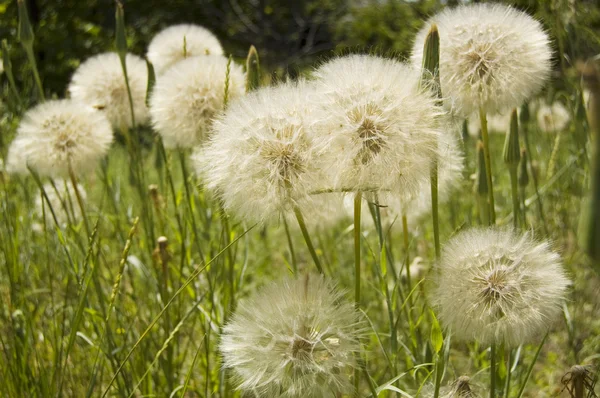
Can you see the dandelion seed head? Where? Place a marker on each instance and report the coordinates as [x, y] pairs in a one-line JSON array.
[[167, 47], [459, 388], [296, 338], [492, 56], [59, 134], [553, 118], [100, 83], [260, 158], [494, 286], [376, 127], [189, 95]]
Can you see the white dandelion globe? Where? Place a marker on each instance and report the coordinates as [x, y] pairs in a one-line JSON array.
[[553, 118], [296, 338], [260, 159], [189, 95], [58, 135], [495, 286], [167, 47], [492, 57], [100, 83], [63, 200], [377, 129]]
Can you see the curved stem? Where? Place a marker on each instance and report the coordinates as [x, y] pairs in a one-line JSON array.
[[79, 201], [488, 164]]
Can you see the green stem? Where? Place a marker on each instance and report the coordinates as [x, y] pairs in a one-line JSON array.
[[357, 211], [307, 239], [493, 370], [508, 373], [434, 208], [406, 252], [488, 164], [530, 368], [534, 177], [439, 372], [515, 195], [291, 245], [79, 201]]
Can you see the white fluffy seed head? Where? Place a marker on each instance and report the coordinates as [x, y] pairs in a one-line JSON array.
[[296, 338], [377, 129], [100, 83], [63, 200], [260, 158], [553, 118], [462, 387], [167, 47], [189, 95], [495, 286], [491, 56], [59, 134]]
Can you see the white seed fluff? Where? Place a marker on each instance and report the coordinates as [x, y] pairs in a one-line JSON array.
[[189, 95], [260, 158], [491, 56], [495, 286], [100, 83], [296, 338], [378, 131], [553, 118], [167, 47], [59, 134]]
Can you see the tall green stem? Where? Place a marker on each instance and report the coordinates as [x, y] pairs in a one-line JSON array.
[[79, 201], [488, 164], [307, 239], [357, 211], [515, 196], [434, 207], [36, 75], [493, 370]]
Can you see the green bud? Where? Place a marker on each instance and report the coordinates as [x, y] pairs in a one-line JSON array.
[[252, 70], [524, 116], [512, 151], [523, 173], [481, 186], [431, 60], [120, 36], [151, 81], [25, 32]]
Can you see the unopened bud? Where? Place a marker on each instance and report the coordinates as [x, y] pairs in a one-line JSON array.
[[252, 70], [120, 36], [523, 173], [25, 31], [512, 152]]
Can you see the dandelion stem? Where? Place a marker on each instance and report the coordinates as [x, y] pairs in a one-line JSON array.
[[406, 253], [357, 211], [488, 164], [508, 373], [515, 195], [291, 245], [79, 200], [36, 75], [307, 239], [493, 370]]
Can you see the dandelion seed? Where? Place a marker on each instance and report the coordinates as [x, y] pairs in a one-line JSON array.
[[377, 129], [553, 118], [58, 135], [178, 42], [493, 286], [189, 95], [296, 338], [100, 83], [492, 57], [260, 158]]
